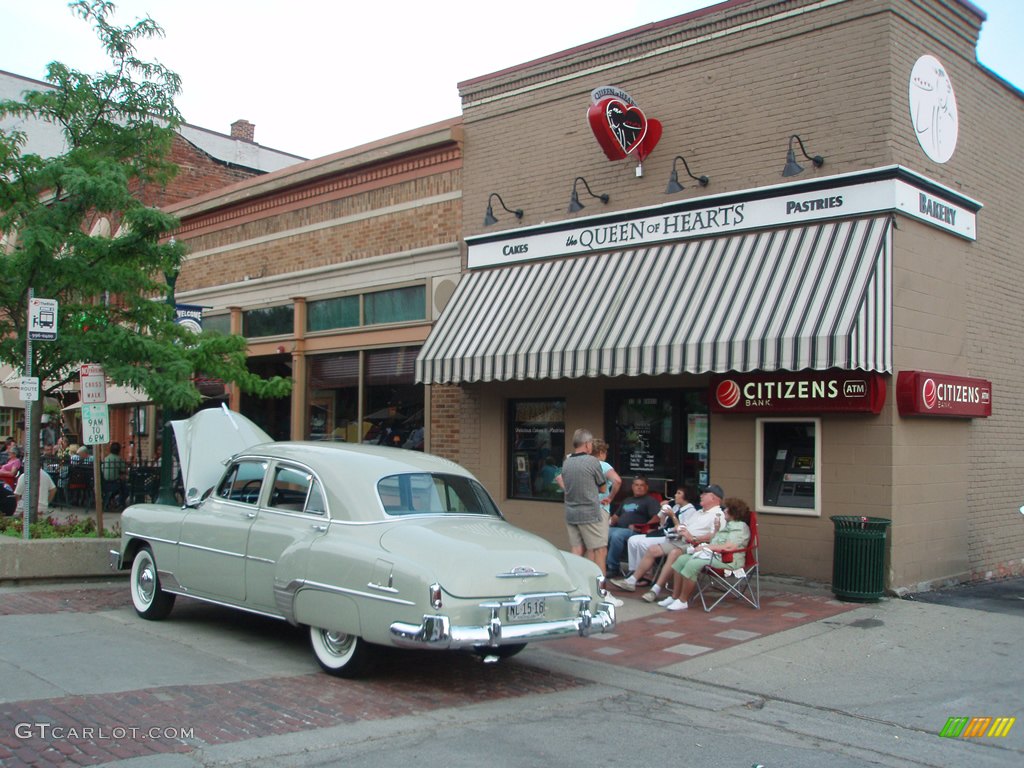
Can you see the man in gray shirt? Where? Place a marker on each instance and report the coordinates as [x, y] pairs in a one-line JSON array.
[[583, 482]]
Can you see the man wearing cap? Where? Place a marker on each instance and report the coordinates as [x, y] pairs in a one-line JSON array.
[[700, 527]]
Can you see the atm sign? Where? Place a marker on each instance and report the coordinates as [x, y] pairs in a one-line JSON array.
[[920, 393], [804, 392]]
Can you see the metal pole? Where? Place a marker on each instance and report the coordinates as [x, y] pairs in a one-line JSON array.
[[166, 495], [30, 499]]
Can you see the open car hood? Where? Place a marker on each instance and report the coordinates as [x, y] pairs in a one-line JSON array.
[[207, 440]]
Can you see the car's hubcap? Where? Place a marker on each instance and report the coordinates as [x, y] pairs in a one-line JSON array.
[[337, 643], [147, 583]]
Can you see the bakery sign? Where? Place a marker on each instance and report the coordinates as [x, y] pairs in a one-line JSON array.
[[920, 393], [805, 392]]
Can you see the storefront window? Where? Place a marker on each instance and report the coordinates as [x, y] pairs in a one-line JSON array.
[[662, 434], [396, 306], [218, 323], [268, 321], [342, 312], [394, 401], [537, 431], [787, 466], [334, 398]]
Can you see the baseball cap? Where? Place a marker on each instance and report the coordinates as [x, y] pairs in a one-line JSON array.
[[715, 489]]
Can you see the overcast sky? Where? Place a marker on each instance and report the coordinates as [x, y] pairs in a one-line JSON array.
[[320, 76]]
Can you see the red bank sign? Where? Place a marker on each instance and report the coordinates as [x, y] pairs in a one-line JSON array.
[[804, 392], [919, 393]]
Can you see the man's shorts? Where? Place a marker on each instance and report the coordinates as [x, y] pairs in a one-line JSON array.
[[590, 536]]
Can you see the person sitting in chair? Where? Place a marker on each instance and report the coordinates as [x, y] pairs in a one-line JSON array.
[[634, 514], [732, 538]]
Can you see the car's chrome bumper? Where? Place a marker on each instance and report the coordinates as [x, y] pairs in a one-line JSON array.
[[438, 632], [114, 559]]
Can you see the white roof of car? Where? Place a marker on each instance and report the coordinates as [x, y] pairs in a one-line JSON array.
[[211, 438]]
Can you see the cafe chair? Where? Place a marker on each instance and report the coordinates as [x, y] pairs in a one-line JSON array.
[[742, 583]]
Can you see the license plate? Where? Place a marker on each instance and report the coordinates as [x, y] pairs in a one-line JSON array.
[[530, 609]]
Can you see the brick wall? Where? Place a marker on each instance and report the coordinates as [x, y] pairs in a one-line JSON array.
[[730, 87], [198, 174]]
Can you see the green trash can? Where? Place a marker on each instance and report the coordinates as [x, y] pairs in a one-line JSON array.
[[858, 557]]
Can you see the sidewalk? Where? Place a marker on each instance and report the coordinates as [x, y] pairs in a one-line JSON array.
[[648, 637]]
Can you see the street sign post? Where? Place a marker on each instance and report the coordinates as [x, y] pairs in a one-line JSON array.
[[42, 319], [28, 389], [94, 383], [95, 424]]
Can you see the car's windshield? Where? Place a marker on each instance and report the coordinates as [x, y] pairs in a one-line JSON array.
[[422, 493]]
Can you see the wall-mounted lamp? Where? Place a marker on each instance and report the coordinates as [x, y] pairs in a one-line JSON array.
[[574, 201], [792, 166], [490, 218], [673, 180]]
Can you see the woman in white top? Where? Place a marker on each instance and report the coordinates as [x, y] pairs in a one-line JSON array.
[[644, 551]]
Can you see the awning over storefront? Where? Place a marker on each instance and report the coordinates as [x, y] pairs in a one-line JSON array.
[[816, 296]]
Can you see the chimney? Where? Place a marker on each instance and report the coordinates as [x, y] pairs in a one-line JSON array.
[[243, 130]]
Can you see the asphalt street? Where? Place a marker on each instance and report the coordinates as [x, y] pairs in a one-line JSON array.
[[849, 686]]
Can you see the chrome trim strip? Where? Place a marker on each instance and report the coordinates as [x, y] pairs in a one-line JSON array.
[[436, 632], [184, 545], [136, 535], [210, 600], [382, 588], [521, 572], [354, 592]]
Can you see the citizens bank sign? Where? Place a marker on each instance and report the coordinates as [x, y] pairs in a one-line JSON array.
[[807, 392], [919, 393], [869, 192]]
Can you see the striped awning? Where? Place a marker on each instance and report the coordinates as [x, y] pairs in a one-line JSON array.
[[807, 297]]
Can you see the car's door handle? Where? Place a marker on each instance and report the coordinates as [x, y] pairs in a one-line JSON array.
[[251, 515], [319, 527]]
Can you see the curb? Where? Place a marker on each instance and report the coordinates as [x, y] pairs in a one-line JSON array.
[[22, 560]]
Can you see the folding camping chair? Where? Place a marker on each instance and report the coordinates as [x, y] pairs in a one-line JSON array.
[[742, 583]]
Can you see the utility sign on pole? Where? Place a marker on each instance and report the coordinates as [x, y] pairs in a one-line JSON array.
[[42, 319], [94, 383], [95, 424]]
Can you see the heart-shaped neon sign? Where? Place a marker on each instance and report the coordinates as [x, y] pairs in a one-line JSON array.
[[622, 129]]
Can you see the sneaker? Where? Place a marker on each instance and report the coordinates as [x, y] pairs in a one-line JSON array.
[[650, 597], [614, 601], [625, 584], [677, 605], [667, 601]]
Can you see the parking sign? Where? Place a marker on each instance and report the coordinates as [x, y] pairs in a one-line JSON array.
[[95, 424]]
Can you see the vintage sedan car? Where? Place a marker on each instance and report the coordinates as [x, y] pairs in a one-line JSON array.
[[367, 546]]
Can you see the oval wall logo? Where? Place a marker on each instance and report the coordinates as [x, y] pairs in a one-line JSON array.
[[929, 394], [728, 393]]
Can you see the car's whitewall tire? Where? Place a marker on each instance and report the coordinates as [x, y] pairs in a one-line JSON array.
[[341, 654], [148, 598]]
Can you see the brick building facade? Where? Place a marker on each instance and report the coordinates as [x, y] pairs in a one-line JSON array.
[[333, 269], [932, 220]]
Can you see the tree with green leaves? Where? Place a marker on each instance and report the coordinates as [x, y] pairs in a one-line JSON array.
[[112, 283]]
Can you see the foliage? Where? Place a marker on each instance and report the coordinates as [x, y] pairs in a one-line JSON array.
[[52, 528], [113, 292]]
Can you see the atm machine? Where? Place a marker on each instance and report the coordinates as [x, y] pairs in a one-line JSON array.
[[790, 479]]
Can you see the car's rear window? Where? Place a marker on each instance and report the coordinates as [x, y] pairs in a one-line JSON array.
[[422, 493]]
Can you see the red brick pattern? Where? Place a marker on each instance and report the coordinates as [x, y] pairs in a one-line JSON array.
[[183, 718], [178, 719], [667, 637]]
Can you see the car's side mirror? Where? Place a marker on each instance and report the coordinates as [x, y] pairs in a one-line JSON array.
[[193, 497]]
